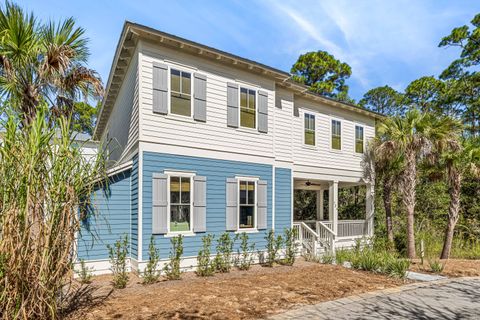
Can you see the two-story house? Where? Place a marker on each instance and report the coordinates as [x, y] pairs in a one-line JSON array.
[[207, 142]]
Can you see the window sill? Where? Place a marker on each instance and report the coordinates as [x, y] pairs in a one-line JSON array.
[[248, 130], [336, 150], [240, 231], [180, 118], [176, 234], [309, 147]]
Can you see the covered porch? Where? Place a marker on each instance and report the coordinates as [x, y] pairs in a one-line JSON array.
[[324, 221]]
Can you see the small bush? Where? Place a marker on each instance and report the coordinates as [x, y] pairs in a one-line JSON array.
[[205, 267], [369, 260], [85, 273], [341, 256], [397, 268], [290, 235], [327, 258], [245, 255], [172, 268], [436, 266], [223, 259], [312, 258], [118, 261], [273, 245], [151, 274]]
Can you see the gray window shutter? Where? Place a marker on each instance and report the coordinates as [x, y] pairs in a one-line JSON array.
[[262, 111], [296, 113], [200, 97], [232, 105], [231, 197], [262, 204], [159, 204], [199, 204], [160, 88]]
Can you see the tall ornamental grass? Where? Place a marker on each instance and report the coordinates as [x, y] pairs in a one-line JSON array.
[[44, 181]]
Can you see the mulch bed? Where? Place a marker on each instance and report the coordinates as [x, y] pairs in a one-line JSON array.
[[256, 293], [452, 267]]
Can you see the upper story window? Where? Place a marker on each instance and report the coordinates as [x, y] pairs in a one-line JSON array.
[[248, 108], [359, 139], [309, 129], [180, 204], [246, 219], [336, 135], [180, 92]]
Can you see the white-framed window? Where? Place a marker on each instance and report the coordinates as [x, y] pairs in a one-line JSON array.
[[309, 129], [247, 203], [248, 108], [359, 139], [181, 88], [336, 139], [180, 202]]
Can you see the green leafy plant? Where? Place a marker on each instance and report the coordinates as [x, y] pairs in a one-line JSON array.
[[85, 273], [118, 260], [327, 258], [397, 268], [273, 245], [436, 265], [205, 266], [245, 258], [369, 260], [223, 259], [172, 268], [290, 251], [341, 256], [151, 274]]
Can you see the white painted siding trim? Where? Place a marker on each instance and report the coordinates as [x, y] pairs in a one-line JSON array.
[[342, 134], [140, 201], [273, 198], [180, 68], [255, 207], [355, 125], [184, 174]]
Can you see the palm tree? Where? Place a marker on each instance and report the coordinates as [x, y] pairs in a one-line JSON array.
[[458, 159], [43, 63], [387, 165], [412, 136]]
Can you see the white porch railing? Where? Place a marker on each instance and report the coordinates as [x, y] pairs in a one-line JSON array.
[[326, 236], [307, 237], [352, 228]]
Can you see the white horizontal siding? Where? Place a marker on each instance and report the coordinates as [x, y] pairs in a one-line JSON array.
[[123, 126], [214, 134]]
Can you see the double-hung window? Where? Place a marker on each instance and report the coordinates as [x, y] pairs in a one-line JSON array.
[[248, 108], [336, 135], [180, 92], [180, 203], [359, 139], [247, 204], [309, 129]]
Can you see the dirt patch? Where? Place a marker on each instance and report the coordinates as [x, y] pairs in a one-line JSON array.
[[452, 267], [251, 294]]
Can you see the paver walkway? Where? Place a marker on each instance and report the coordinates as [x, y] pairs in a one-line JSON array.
[[445, 299]]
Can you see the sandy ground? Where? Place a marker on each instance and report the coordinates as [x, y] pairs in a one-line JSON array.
[[452, 267], [251, 294]]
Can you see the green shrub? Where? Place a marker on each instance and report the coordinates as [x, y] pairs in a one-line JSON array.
[[151, 274], [85, 273], [273, 245], [172, 268], [436, 265], [341, 256], [245, 255], [223, 259], [397, 268], [290, 250], [205, 267], [118, 260], [327, 258], [369, 260]]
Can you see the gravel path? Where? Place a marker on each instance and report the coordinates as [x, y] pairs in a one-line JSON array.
[[445, 299]]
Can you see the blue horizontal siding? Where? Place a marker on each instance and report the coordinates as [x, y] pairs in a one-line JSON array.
[[216, 171], [134, 195], [283, 199], [109, 219]]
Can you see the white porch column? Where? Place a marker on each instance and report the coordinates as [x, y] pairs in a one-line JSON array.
[[320, 204], [370, 199], [333, 204]]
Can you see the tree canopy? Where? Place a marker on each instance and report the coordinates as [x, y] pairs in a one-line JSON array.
[[384, 100]]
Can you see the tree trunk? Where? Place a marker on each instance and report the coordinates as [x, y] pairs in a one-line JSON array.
[[387, 203], [454, 180], [409, 194]]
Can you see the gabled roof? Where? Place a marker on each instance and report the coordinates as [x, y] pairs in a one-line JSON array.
[[133, 31]]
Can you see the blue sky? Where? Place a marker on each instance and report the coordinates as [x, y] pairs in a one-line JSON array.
[[385, 42]]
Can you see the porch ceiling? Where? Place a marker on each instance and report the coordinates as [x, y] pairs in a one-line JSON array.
[[315, 184]]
